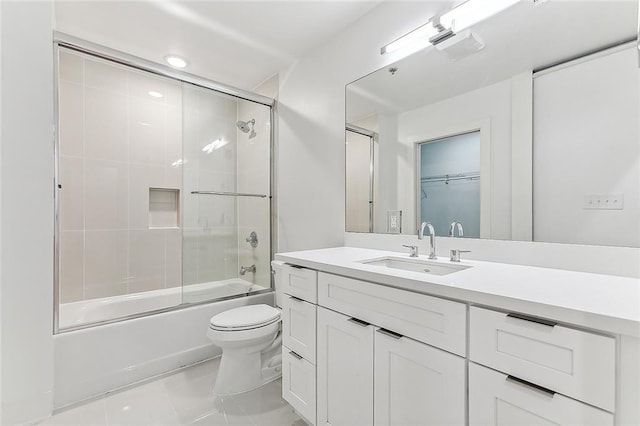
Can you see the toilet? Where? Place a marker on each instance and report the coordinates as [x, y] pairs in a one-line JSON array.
[[251, 341]]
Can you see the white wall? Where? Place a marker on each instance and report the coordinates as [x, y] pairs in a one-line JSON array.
[[26, 280], [311, 123], [590, 138]]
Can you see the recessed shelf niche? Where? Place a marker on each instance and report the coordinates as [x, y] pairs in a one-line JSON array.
[[164, 207]]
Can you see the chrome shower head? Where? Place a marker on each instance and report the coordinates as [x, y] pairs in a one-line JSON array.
[[244, 126]]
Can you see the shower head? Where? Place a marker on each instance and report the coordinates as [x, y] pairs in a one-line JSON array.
[[244, 126]]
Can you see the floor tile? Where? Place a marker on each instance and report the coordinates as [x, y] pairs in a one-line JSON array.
[[148, 404], [183, 398], [92, 413]]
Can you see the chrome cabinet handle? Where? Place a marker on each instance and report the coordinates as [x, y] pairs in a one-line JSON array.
[[359, 322], [548, 323], [295, 355], [389, 333], [297, 299], [530, 385]]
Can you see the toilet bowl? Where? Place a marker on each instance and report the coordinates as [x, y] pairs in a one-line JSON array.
[[250, 340]]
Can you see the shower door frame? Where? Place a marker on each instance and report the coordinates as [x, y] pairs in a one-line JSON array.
[[116, 56]]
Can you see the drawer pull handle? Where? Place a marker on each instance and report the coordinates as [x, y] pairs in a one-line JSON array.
[[530, 385], [533, 319], [295, 355], [389, 333], [295, 266], [359, 322], [297, 299]]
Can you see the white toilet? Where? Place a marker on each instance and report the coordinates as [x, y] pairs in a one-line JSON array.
[[251, 347]]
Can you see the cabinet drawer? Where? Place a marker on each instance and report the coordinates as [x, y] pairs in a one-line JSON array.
[[576, 363], [299, 327], [438, 322], [497, 399], [299, 384], [299, 282]]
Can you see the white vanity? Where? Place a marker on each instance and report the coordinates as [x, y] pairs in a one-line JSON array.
[[370, 337]]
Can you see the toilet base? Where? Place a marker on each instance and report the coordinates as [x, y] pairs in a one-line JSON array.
[[240, 372]]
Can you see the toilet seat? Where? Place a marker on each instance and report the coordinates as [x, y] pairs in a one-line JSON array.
[[245, 318]]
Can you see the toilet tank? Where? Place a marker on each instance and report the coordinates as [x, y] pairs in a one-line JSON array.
[[276, 266]]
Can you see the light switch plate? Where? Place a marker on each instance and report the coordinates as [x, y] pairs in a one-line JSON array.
[[603, 202]]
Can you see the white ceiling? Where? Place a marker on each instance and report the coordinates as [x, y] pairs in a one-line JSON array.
[[239, 43]]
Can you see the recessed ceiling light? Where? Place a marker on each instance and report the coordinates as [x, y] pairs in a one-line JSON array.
[[155, 94], [176, 61]]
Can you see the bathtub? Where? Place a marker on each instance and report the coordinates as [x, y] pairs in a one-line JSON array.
[[92, 361], [75, 314]]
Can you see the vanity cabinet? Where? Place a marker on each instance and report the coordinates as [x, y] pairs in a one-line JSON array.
[[370, 374], [345, 370], [498, 399], [299, 294]]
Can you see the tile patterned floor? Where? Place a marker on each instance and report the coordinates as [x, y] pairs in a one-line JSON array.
[[183, 398]]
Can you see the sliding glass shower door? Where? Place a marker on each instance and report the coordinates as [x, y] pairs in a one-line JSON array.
[[226, 202]]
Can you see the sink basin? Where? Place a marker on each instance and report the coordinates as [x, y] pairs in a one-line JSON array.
[[415, 265]]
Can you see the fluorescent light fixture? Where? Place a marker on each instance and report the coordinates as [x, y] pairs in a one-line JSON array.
[[217, 144], [419, 36], [155, 94], [176, 61], [471, 12]]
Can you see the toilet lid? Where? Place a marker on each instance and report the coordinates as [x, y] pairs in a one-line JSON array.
[[245, 317]]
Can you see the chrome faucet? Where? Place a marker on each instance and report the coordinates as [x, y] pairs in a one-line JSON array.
[[432, 238], [452, 228], [245, 269]]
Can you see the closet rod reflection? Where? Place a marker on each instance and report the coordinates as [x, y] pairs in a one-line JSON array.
[[229, 194]]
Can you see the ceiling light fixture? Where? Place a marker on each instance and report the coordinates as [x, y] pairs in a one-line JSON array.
[[176, 61], [471, 12], [447, 25], [419, 36], [155, 94]]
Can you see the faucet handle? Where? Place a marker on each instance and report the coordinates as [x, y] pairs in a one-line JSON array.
[[413, 250], [454, 255]]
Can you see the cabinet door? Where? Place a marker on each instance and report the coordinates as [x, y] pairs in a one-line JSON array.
[[416, 384], [299, 384], [345, 370], [500, 400], [299, 326]]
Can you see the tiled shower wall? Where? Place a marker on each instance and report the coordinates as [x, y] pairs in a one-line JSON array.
[[210, 251], [116, 142]]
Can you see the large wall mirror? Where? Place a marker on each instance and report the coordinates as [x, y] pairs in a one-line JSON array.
[[525, 126]]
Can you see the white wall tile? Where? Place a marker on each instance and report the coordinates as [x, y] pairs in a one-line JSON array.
[[146, 131], [106, 260], [106, 195], [71, 280], [173, 257], [141, 178], [103, 75], [146, 260], [105, 125], [71, 195], [71, 112], [71, 67]]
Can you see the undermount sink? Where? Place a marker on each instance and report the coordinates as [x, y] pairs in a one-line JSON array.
[[415, 265]]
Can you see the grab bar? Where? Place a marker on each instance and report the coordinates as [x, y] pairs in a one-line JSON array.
[[229, 194]]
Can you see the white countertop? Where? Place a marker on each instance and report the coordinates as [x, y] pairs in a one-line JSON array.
[[599, 302]]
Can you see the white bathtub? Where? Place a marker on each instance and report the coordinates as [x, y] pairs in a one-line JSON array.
[[92, 361], [108, 308]]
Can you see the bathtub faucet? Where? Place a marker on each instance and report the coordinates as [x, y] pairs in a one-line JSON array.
[[245, 269]]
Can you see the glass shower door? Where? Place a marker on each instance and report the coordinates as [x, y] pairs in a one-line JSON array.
[[226, 211]]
